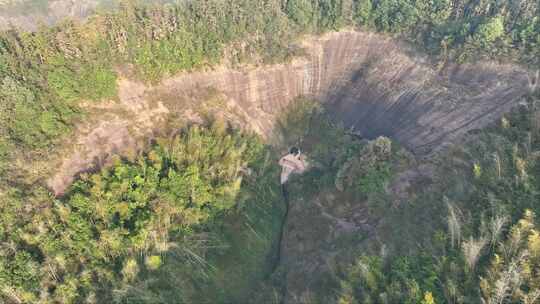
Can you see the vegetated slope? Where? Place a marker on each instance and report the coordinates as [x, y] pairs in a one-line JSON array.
[[370, 223], [168, 208], [54, 78]]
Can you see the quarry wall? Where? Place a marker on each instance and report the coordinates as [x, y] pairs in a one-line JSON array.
[[369, 82]]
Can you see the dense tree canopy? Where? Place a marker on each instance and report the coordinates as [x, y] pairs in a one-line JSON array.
[[115, 223]]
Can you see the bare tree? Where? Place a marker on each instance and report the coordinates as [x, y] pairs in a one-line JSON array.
[[472, 249], [496, 226]]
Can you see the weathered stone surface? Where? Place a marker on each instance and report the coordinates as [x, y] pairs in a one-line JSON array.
[[368, 81], [371, 83]]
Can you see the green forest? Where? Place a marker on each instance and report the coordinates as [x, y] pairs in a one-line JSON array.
[[470, 237], [196, 216]]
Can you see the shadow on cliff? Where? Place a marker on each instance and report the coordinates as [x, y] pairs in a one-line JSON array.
[[423, 108], [391, 93]]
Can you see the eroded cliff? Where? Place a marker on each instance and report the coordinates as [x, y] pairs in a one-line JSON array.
[[368, 81]]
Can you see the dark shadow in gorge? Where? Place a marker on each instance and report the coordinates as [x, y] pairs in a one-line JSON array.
[[424, 113]]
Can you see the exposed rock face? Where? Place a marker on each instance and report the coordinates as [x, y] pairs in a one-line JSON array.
[[393, 95], [367, 80]]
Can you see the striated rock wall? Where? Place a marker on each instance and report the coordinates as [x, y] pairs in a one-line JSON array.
[[368, 81], [394, 95], [371, 84]]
